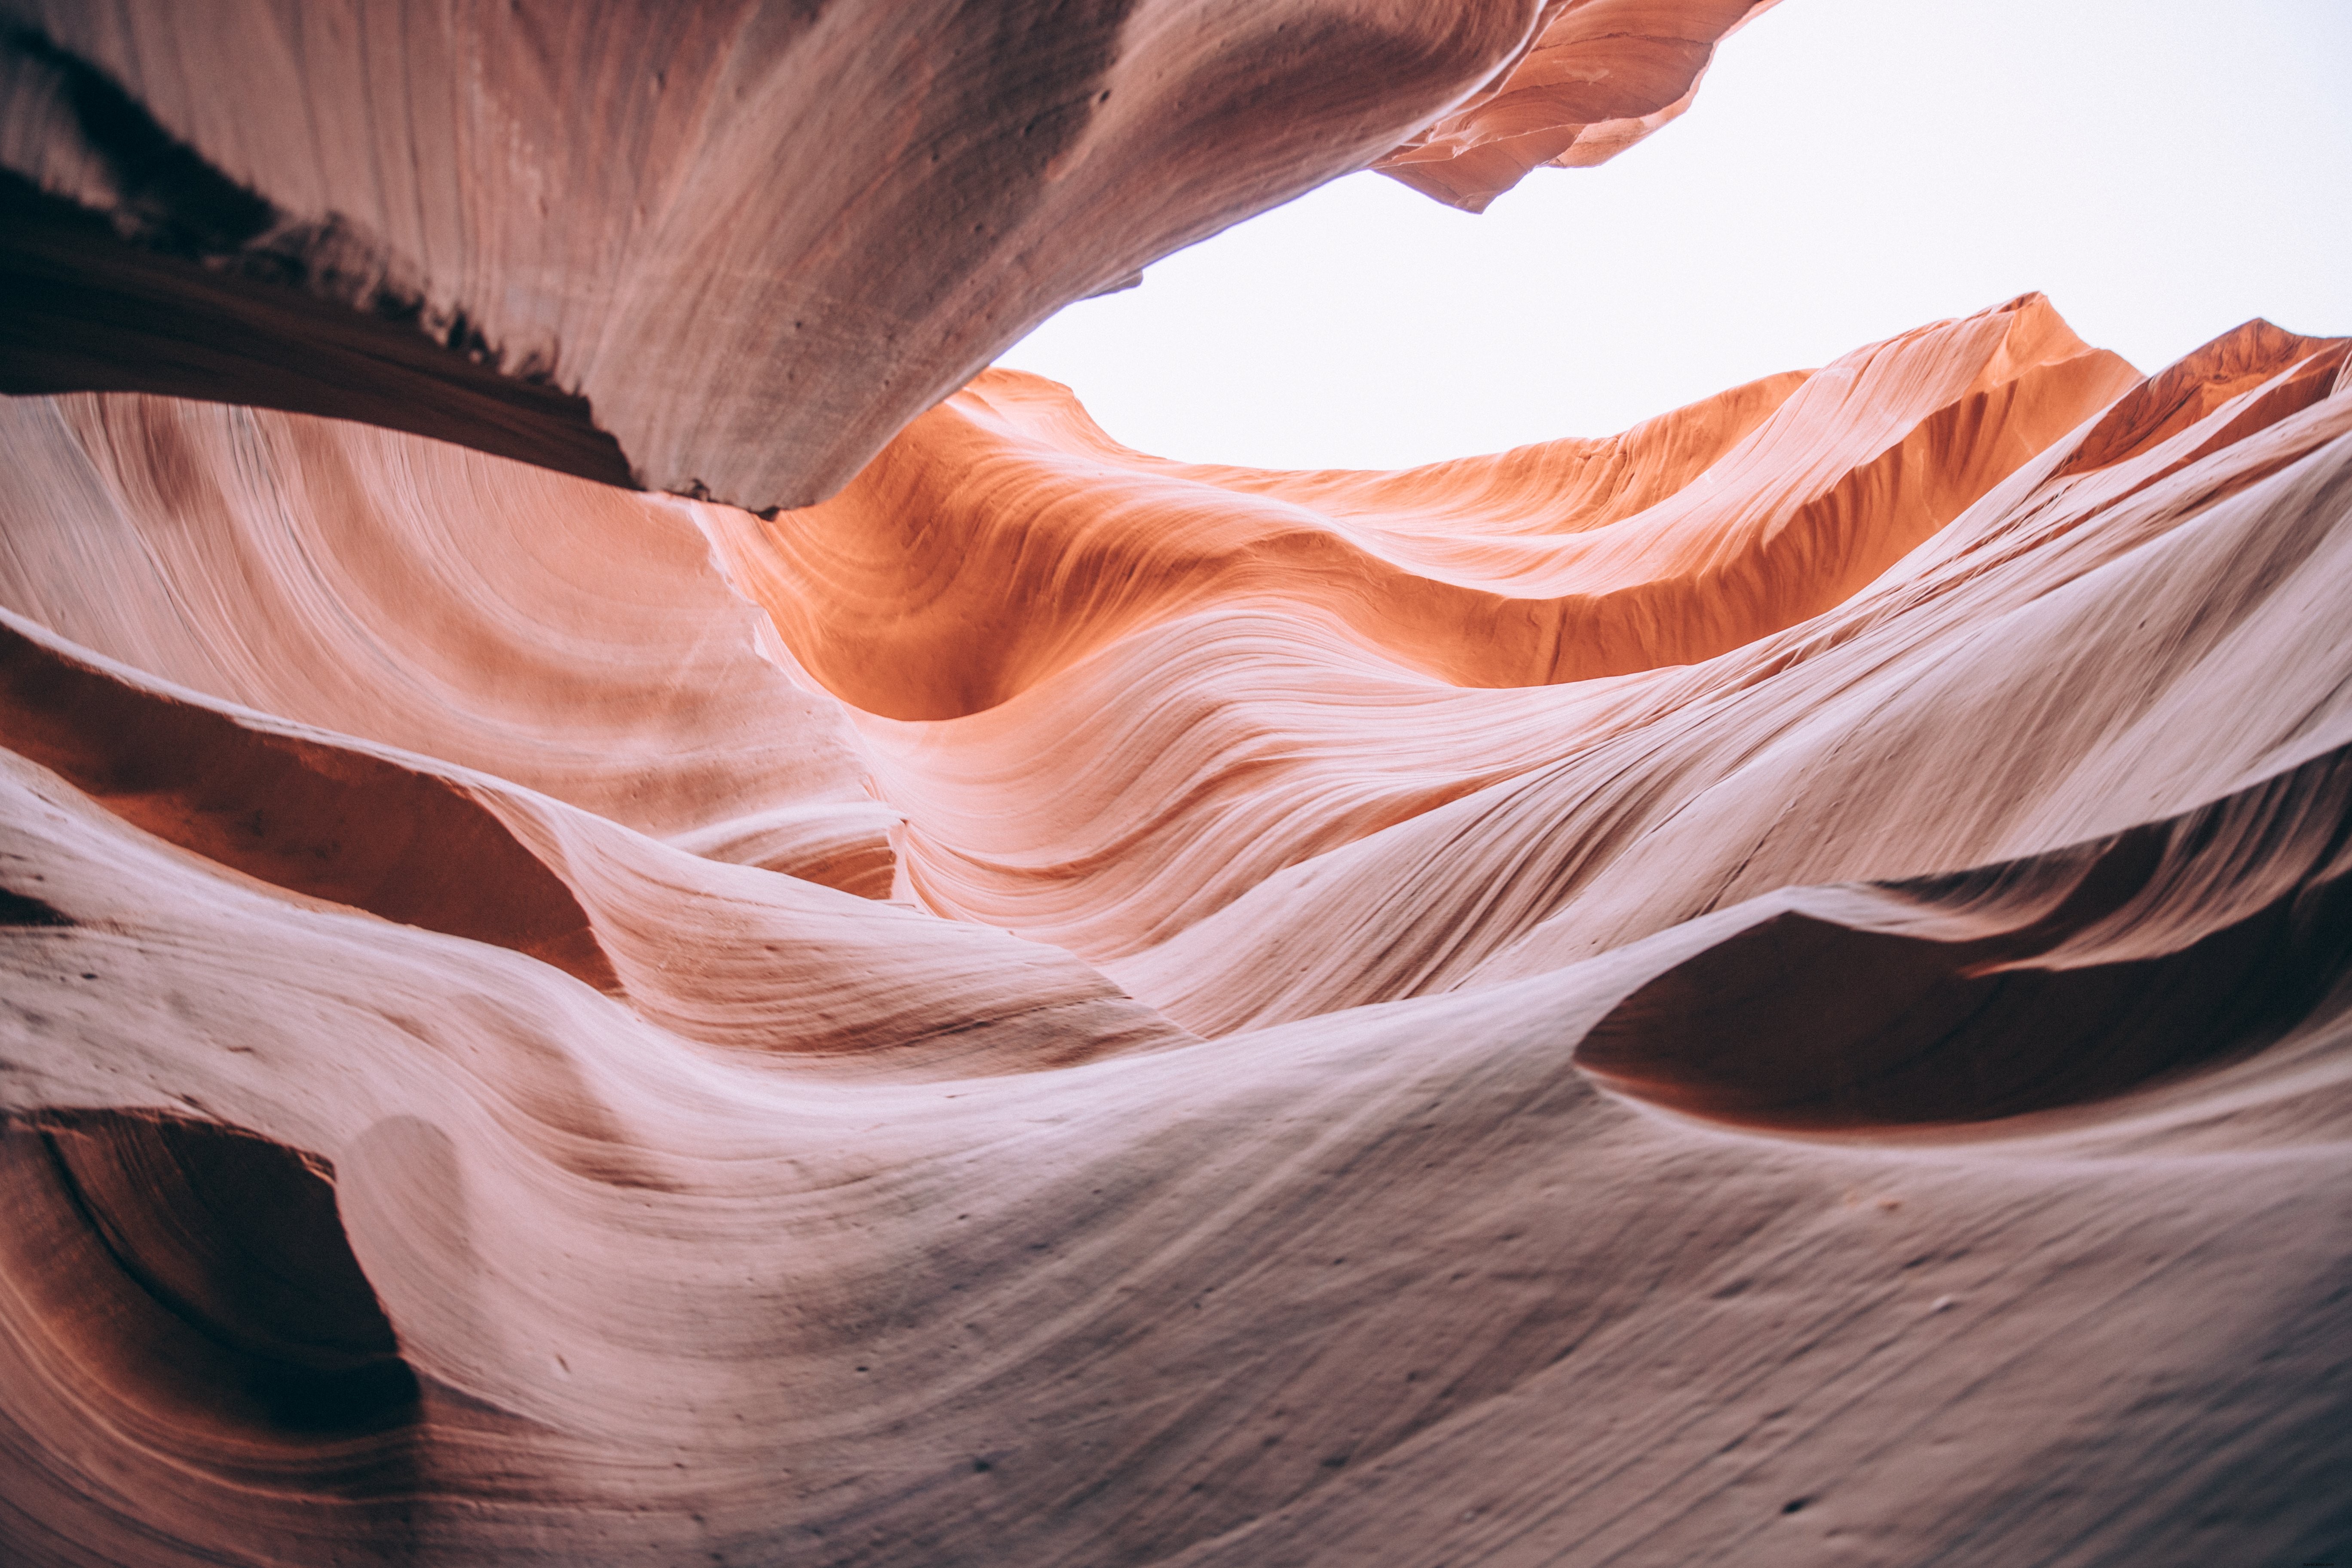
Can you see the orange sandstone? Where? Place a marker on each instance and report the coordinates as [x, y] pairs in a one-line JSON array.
[[418, 1149], [1772, 987], [1599, 76]]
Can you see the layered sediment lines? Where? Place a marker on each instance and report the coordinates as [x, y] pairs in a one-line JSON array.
[[1004, 538], [560, 634], [1215, 642], [1597, 76], [1775, 987], [771, 238], [726, 248], [1958, 710], [1771, 987]]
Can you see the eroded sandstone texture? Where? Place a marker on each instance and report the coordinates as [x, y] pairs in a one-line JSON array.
[[725, 247], [1772, 988], [1597, 76]]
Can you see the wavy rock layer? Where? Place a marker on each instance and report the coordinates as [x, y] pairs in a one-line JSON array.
[[1101, 627], [725, 247], [1777, 986], [1598, 76]]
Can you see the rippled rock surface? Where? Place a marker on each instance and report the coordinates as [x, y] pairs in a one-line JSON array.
[[719, 247], [1773, 987]]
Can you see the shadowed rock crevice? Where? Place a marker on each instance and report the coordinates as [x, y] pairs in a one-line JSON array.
[[192, 284], [23, 910], [88, 311], [2055, 980], [338, 825], [780, 233], [732, 955], [199, 1279]]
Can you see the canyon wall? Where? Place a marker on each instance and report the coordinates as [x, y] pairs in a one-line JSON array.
[[1776, 986]]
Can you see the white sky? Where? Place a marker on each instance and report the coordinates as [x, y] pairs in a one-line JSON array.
[[2163, 169]]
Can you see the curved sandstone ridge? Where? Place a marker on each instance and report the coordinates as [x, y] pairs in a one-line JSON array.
[[692, 943], [1773, 985], [1004, 538], [2047, 982], [1598, 75], [557, 632], [724, 248]]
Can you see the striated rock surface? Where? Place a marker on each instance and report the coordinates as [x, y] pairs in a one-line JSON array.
[[1775, 984], [1598, 76], [1103, 628], [1776, 988], [722, 247]]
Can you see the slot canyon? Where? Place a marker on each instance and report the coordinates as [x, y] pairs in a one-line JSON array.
[[653, 915]]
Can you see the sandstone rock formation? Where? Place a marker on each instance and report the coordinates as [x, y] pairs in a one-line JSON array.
[[1598, 76], [1776, 988], [727, 248], [421, 1151]]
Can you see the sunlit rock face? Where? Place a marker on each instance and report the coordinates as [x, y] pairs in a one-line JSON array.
[[1771, 988], [1597, 76]]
